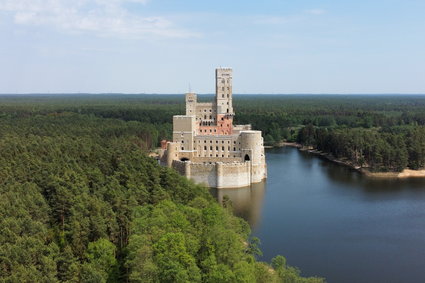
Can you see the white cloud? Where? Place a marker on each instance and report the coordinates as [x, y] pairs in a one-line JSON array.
[[101, 17], [316, 11]]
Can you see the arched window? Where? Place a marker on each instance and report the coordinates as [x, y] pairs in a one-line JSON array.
[[246, 158]]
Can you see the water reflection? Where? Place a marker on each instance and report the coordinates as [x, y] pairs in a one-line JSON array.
[[351, 178], [247, 202], [332, 221]]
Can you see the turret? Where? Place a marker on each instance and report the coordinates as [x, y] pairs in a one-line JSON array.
[[191, 99], [252, 146]]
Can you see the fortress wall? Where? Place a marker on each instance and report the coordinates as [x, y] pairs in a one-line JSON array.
[[204, 174], [233, 175], [259, 172], [222, 175], [216, 159]]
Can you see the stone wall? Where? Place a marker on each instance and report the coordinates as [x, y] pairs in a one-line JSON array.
[[221, 175], [204, 174]]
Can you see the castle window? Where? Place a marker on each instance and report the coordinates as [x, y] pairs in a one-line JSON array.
[[234, 149], [210, 147], [182, 141], [210, 130], [227, 95], [216, 155], [210, 110], [216, 148], [222, 148], [222, 95], [222, 141], [215, 130], [210, 141], [182, 147], [210, 117], [222, 155], [234, 142], [205, 141], [228, 148], [205, 147]]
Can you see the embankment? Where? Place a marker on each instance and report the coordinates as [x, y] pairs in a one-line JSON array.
[[406, 173]]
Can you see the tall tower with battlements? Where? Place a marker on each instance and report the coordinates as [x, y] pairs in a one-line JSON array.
[[223, 91], [208, 148]]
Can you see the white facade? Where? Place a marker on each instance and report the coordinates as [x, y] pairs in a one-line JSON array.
[[209, 149]]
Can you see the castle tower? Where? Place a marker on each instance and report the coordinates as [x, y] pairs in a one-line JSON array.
[[223, 91], [191, 99], [208, 148]]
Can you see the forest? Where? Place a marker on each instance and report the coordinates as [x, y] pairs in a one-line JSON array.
[[81, 201], [380, 133]]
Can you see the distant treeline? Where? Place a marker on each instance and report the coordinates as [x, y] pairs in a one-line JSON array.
[[389, 149], [382, 132], [80, 201]]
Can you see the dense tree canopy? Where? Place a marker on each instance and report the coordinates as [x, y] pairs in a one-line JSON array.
[[82, 201]]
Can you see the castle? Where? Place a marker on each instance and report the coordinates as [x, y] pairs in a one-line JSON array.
[[208, 148]]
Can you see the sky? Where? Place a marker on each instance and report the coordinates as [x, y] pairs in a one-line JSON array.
[[165, 46]]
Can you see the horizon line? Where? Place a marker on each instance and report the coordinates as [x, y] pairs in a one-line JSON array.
[[153, 93]]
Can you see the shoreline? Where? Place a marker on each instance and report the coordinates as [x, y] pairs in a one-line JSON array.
[[406, 173]]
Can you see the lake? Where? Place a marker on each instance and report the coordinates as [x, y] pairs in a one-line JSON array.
[[331, 221]]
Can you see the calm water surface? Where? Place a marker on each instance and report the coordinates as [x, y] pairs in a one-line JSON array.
[[331, 221]]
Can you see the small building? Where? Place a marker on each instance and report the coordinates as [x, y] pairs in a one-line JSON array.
[[208, 148]]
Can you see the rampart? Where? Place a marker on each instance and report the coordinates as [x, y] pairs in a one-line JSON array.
[[219, 174]]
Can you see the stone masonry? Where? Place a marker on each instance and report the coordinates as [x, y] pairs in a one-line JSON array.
[[208, 148]]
